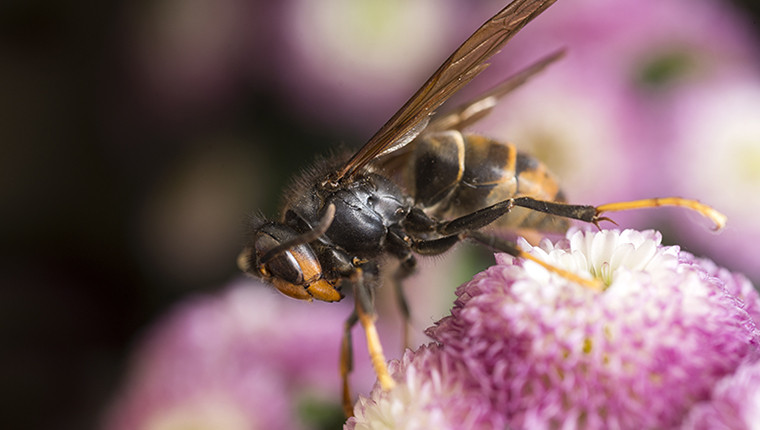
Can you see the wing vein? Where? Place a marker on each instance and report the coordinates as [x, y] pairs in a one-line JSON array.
[[460, 68]]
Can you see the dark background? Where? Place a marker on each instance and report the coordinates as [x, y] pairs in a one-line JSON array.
[[90, 174]]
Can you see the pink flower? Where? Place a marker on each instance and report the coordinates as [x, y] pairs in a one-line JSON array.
[[245, 359], [532, 350], [603, 113], [715, 154], [434, 392], [351, 64], [734, 402]]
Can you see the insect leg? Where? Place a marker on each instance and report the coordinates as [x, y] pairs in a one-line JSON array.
[[364, 311], [586, 213], [706, 211], [347, 362], [417, 221], [591, 214], [405, 269], [400, 245], [467, 226], [487, 215], [499, 244], [475, 220]]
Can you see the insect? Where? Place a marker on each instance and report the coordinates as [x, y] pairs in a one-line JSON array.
[[341, 216]]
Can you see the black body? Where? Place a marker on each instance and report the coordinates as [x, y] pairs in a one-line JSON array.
[[470, 178], [367, 209]]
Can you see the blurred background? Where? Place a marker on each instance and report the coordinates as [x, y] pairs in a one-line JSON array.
[[135, 136]]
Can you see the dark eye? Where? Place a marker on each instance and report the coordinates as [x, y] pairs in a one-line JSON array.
[[283, 266]]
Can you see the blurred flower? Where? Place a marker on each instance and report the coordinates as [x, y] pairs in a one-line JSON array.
[[716, 155], [734, 402], [602, 113], [191, 56], [351, 64], [541, 352], [577, 130], [246, 359]]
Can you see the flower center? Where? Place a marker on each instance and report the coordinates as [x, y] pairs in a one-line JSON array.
[[603, 272]]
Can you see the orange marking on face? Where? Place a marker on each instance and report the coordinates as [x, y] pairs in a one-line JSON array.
[[314, 286], [291, 290], [323, 290]]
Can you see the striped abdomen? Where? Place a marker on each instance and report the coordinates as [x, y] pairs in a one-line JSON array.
[[454, 174]]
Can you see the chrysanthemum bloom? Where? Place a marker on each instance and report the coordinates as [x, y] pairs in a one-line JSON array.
[[734, 402], [539, 351], [434, 393]]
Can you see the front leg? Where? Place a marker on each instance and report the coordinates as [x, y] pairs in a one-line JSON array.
[[364, 312]]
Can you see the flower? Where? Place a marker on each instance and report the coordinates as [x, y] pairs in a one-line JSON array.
[[603, 113], [715, 130], [539, 351], [244, 359], [349, 64], [432, 395], [734, 402]]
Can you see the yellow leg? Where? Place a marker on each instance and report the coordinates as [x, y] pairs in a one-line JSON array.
[[707, 211], [376, 351], [503, 245], [593, 283], [364, 313]]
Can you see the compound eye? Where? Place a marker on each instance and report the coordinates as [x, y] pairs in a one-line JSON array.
[[284, 265]]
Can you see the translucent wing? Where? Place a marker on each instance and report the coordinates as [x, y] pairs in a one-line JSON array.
[[465, 115], [458, 70], [478, 108]]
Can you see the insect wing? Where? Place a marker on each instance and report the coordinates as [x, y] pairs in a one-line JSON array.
[[479, 107], [458, 70], [467, 114]]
